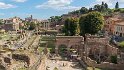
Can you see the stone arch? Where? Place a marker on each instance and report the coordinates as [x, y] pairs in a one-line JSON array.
[[68, 41], [97, 52], [75, 47], [62, 49]]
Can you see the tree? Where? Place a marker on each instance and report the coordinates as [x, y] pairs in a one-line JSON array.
[[1, 22], [106, 5], [83, 10], [55, 20], [97, 7], [114, 59], [103, 9], [78, 29], [103, 3], [74, 12], [91, 23], [117, 5], [70, 26], [81, 24], [32, 26], [90, 9]]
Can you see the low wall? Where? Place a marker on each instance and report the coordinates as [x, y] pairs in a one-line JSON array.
[[108, 65], [21, 57]]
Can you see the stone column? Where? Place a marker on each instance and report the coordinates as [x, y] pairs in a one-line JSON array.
[[44, 25], [86, 50], [56, 50], [48, 25], [68, 46]]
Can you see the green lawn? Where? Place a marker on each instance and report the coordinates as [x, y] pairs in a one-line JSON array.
[[47, 38], [22, 69], [50, 41], [8, 36], [90, 68], [121, 44], [40, 49], [5, 36]]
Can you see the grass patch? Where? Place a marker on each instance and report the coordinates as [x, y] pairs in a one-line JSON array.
[[40, 49], [121, 44], [22, 69], [8, 36], [49, 41], [48, 38], [90, 68]]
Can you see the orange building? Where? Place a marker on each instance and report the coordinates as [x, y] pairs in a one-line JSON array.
[[110, 24]]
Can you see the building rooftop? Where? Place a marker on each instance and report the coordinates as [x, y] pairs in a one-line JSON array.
[[115, 19]]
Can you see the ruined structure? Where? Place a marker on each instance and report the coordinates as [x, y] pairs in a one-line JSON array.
[[95, 51], [68, 41]]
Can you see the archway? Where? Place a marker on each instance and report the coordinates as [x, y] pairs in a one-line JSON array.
[[98, 53], [63, 50], [74, 52]]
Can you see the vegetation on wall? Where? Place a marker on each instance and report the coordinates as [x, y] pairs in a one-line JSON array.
[[114, 59]]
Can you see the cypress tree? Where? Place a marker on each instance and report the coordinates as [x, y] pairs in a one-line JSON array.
[[117, 5], [103, 3], [106, 5]]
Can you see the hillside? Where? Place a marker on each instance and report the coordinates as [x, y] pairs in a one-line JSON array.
[[102, 8]]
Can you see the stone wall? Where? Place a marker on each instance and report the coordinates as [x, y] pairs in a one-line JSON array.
[[112, 50], [67, 41], [108, 65], [7, 60], [2, 67], [21, 57]]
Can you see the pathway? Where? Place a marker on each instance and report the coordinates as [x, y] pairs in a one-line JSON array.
[[63, 65]]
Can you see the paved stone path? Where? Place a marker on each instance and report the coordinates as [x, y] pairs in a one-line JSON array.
[[63, 65], [42, 66]]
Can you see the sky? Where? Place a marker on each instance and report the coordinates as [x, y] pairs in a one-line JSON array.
[[43, 9]]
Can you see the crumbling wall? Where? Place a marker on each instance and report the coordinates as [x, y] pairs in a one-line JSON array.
[[21, 57], [2, 67]]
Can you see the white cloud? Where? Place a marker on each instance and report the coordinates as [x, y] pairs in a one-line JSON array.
[[6, 6], [20, 0], [58, 4]]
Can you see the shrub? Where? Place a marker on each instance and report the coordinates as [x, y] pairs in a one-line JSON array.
[[114, 59]]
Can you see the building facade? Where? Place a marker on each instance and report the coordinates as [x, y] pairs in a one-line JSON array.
[[109, 25], [119, 29], [12, 24], [45, 24]]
